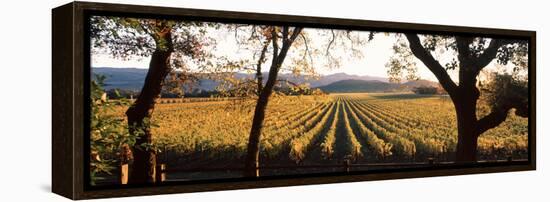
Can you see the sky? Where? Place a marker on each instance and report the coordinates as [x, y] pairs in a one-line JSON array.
[[375, 55]]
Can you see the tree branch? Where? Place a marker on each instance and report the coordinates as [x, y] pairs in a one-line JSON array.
[[423, 55], [278, 57], [285, 34], [491, 120], [307, 53], [274, 69], [489, 54], [275, 45], [463, 47], [253, 32], [330, 42], [259, 75], [287, 43], [295, 33]]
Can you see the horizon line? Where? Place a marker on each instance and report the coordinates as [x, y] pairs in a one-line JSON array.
[[350, 74]]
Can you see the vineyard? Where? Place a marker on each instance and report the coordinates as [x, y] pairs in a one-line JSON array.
[[301, 130], [222, 99]]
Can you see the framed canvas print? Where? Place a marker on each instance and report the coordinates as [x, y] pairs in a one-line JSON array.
[[154, 100]]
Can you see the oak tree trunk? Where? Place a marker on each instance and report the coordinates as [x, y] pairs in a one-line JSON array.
[[466, 148], [253, 149], [143, 167], [465, 102]]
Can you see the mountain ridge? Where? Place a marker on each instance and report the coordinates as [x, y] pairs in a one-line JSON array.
[[133, 78], [358, 86]]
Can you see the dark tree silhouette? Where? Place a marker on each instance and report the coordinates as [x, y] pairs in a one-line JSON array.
[[473, 55], [170, 45], [279, 53]]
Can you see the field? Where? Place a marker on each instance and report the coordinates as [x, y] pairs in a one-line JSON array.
[[302, 130]]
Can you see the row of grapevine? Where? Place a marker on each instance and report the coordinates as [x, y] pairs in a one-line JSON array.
[[381, 148], [441, 128], [432, 121], [394, 110], [276, 140], [284, 129], [401, 146], [327, 145], [424, 141], [298, 121], [437, 129], [353, 145], [301, 144], [289, 117]]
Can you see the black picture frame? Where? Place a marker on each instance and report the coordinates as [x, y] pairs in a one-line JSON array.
[[70, 106]]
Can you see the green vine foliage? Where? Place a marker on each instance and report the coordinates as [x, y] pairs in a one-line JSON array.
[[109, 137]]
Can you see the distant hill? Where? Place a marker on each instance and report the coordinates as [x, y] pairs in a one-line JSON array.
[[331, 78], [357, 86], [354, 86], [421, 82], [133, 78], [122, 78]]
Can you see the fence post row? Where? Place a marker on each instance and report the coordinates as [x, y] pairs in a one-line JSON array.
[[160, 169]]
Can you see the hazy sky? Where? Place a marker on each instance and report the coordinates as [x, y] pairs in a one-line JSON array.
[[376, 54]]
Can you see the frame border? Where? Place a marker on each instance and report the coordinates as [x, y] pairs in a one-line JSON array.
[[70, 79]]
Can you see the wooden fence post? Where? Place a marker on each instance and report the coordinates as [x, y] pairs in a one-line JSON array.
[[160, 175], [257, 169], [125, 157], [124, 173], [346, 165]]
